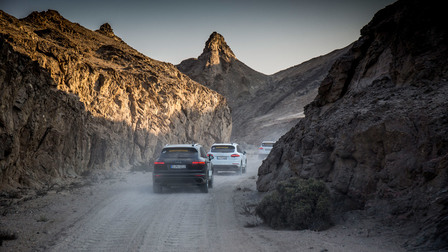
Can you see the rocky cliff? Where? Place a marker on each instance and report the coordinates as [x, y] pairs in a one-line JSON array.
[[75, 100], [377, 132], [263, 107]]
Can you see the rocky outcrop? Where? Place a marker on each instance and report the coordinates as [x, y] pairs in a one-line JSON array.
[[263, 107], [377, 133], [219, 69], [107, 30], [75, 100]]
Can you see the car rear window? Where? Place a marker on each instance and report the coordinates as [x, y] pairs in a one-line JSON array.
[[179, 153], [223, 148], [267, 144]]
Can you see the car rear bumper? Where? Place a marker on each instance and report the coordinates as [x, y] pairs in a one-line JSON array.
[[179, 179], [226, 167]]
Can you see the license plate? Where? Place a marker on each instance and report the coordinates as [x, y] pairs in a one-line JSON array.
[[178, 166], [221, 158]]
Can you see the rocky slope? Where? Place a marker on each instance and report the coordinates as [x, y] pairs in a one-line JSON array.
[[279, 105], [377, 132], [263, 107], [75, 100]]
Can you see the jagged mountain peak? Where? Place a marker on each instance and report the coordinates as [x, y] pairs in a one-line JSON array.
[[216, 49]]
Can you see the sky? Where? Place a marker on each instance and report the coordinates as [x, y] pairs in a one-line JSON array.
[[268, 36]]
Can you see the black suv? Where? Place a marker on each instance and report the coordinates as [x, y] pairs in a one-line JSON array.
[[183, 164]]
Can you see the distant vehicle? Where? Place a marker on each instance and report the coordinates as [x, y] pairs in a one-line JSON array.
[[265, 148], [183, 164], [228, 157]]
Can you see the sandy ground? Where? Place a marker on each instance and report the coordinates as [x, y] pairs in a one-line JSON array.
[[123, 214]]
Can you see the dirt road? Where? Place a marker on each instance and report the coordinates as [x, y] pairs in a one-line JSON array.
[[125, 215], [136, 219]]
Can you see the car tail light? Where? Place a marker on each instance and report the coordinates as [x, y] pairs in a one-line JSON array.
[[260, 148], [234, 155], [157, 162], [198, 162]]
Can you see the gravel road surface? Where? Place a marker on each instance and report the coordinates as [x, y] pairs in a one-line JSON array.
[[123, 214]]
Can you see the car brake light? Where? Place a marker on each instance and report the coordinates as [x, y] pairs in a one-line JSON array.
[[159, 162], [234, 155], [260, 148], [198, 162]]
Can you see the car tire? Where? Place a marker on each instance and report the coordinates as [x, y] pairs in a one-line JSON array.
[[240, 170], [156, 188], [204, 187], [210, 183]]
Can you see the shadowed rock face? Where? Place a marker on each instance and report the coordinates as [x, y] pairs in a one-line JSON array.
[[75, 100], [377, 133], [263, 107]]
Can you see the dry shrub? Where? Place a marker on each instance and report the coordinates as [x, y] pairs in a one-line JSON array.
[[297, 204]]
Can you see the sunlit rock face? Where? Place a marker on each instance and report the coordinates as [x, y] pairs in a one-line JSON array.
[[377, 132], [75, 100], [263, 107]]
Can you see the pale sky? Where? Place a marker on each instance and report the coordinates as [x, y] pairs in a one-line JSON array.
[[268, 36]]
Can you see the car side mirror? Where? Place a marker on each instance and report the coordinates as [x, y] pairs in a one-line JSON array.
[[244, 152], [210, 157]]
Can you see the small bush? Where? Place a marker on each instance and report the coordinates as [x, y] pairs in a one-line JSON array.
[[297, 204]]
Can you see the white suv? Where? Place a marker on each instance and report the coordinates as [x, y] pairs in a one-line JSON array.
[[228, 157], [265, 148]]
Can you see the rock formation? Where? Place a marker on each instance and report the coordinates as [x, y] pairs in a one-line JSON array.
[[377, 132], [74, 100], [263, 107], [219, 69]]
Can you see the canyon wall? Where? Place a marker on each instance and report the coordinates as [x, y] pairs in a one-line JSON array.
[[75, 100]]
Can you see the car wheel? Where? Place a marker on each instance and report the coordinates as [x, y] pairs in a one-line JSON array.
[[240, 170], [210, 183], [157, 188], [204, 187]]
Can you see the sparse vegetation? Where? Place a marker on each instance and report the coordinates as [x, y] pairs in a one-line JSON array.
[[297, 204], [248, 210]]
